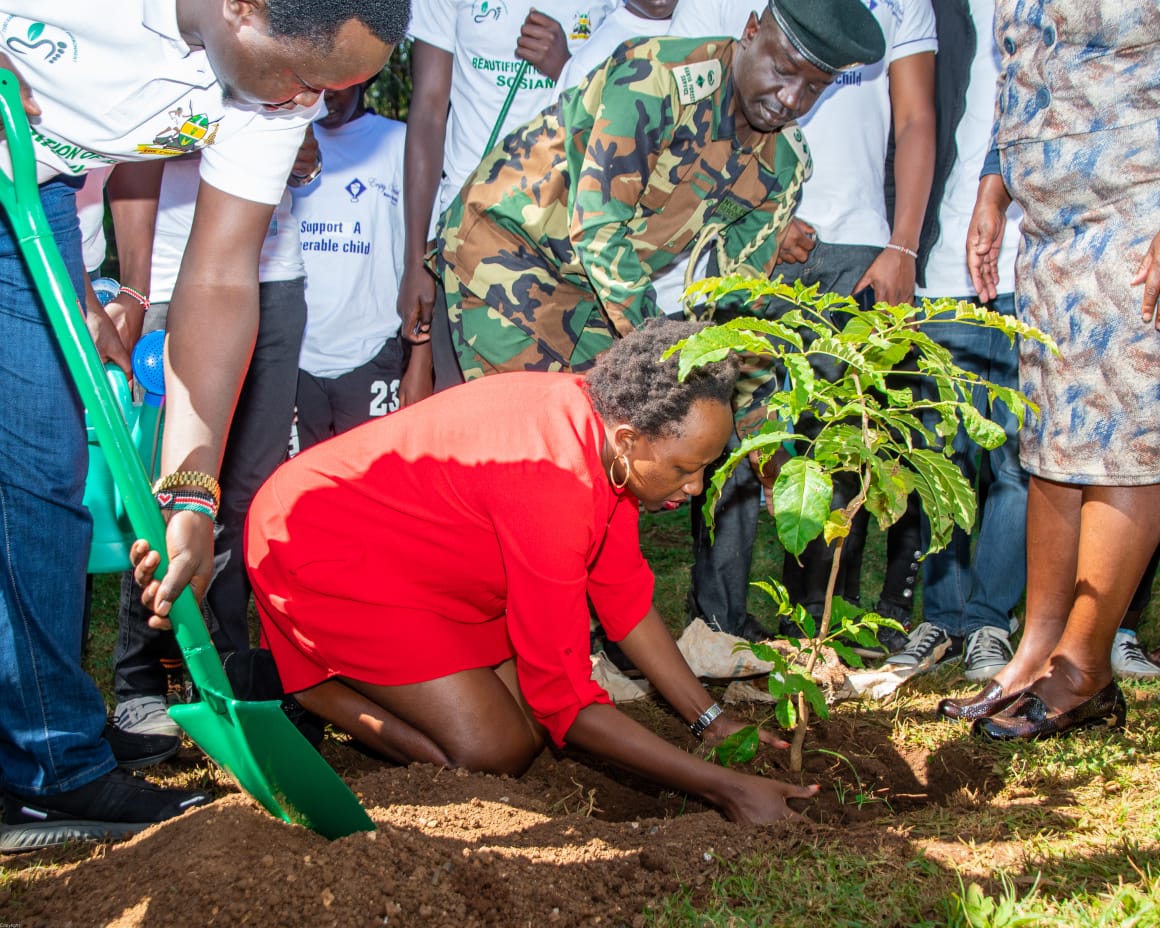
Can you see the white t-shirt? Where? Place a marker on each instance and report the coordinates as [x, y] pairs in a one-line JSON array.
[[618, 27], [116, 82], [844, 198], [281, 257], [351, 224], [946, 268], [91, 216], [481, 36]]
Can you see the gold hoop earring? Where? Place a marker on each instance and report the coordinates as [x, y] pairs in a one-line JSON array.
[[612, 471]]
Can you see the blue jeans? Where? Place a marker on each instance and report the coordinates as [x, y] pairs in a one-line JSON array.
[[51, 713], [963, 593]]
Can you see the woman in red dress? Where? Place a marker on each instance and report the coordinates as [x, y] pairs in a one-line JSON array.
[[424, 580]]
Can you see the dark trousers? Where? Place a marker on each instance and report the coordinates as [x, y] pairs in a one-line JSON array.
[[721, 570], [257, 444]]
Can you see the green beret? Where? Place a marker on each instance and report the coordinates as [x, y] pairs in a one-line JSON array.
[[830, 34]]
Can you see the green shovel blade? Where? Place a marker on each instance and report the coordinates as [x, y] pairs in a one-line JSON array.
[[267, 760], [255, 742]]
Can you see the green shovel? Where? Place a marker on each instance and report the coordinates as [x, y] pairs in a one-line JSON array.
[[254, 741]]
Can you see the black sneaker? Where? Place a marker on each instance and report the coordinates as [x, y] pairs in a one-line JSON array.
[[112, 807], [134, 750], [926, 646]]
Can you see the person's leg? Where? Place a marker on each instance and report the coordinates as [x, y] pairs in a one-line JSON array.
[[475, 719], [1129, 659], [835, 269], [257, 445], [998, 573], [314, 418], [720, 573], [51, 713], [1094, 544], [968, 591], [369, 391], [141, 653]]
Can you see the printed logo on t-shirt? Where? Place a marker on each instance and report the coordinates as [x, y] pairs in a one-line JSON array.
[[356, 188], [38, 40], [186, 133], [488, 11], [581, 27]]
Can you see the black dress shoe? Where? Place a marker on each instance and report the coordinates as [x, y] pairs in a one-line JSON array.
[[988, 701], [133, 751], [1027, 718]]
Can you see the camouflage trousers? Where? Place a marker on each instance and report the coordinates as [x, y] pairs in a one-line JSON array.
[[486, 341]]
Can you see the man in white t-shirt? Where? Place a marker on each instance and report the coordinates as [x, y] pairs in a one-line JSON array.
[[351, 367], [144, 79], [464, 63], [842, 238]]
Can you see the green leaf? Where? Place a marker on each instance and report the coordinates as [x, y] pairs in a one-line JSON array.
[[982, 431], [888, 491], [956, 489], [847, 656], [786, 713], [837, 525], [815, 698], [34, 31], [801, 379], [739, 747], [801, 503]]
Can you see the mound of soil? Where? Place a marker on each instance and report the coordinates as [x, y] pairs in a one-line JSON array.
[[569, 843]]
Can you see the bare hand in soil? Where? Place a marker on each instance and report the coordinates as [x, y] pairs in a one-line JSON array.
[[759, 801], [725, 725]]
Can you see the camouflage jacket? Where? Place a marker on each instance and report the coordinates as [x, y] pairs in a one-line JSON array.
[[563, 224]]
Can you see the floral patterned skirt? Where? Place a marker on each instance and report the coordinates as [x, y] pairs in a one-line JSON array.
[[1092, 205]]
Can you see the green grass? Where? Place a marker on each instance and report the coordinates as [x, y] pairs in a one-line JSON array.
[[1072, 837]]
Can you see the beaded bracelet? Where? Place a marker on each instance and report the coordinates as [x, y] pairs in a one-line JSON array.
[[190, 500], [191, 478], [139, 297], [903, 249], [705, 719]]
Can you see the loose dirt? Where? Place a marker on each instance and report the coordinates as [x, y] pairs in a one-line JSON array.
[[569, 843]]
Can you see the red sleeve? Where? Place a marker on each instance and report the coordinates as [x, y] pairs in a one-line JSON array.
[[620, 582], [546, 539]]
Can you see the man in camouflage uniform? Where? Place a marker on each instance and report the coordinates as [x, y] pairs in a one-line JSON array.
[[674, 146]]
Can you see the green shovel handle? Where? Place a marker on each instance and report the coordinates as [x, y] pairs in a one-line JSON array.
[[507, 105], [20, 197]]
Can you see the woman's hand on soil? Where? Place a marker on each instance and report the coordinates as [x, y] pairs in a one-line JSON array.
[[725, 725], [761, 801]]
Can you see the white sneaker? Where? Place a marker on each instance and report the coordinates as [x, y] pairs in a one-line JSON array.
[[145, 715], [925, 647], [986, 652], [1129, 660]]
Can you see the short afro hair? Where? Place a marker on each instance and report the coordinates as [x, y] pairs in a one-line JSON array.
[[318, 21], [631, 383]]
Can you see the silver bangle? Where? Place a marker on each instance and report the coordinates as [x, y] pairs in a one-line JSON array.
[[705, 719], [301, 180]]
